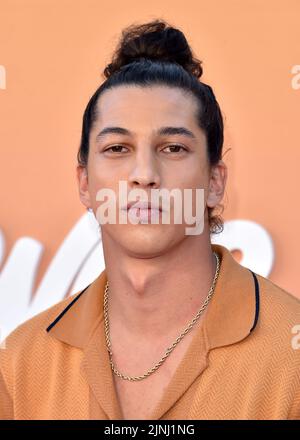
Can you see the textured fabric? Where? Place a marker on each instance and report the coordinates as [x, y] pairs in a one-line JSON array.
[[241, 363]]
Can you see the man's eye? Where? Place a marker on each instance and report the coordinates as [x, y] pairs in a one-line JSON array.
[[117, 148], [176, 147]]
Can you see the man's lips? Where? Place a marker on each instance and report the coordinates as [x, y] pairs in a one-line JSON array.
[[143, 206], [144, 214]]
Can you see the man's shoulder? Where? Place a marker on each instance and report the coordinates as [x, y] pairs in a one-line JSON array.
[[277, 297], [33, 331], [279, 311]]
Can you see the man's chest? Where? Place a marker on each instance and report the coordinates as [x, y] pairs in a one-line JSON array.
[[139, 399]]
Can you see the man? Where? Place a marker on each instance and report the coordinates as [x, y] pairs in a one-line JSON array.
[[128, 346]]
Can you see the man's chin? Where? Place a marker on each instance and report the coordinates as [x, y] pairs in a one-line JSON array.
[[144, 241], [146, 245]]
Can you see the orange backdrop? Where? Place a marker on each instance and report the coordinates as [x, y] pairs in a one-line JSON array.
[[51, 56]]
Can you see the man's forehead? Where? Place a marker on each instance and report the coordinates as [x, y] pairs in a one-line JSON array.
[[174, 101], [136, 114]]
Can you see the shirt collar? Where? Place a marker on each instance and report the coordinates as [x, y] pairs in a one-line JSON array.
[[230, 317]]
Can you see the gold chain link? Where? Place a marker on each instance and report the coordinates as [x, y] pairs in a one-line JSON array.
[[169, 349]]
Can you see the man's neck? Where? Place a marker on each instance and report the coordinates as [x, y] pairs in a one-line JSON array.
[[155, 297]]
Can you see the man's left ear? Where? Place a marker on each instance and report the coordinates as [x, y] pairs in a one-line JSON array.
[[218, 178]]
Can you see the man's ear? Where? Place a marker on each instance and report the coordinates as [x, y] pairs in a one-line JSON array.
[[218, 178], [82, 179]]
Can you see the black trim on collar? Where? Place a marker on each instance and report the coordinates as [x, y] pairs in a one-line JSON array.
[[256, 300], [65, 310], [257, 304]]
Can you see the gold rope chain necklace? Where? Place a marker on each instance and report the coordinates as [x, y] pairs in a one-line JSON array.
[[169, 349]]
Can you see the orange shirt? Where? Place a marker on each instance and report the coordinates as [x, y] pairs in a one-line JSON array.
[[241, 363]]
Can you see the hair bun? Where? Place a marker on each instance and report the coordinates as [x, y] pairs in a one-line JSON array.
[[156, 41]]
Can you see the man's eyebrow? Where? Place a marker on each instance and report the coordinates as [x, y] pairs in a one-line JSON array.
[[163, 131], [183, 131], [112, 130]]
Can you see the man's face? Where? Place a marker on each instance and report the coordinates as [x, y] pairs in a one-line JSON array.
[[145, 158]]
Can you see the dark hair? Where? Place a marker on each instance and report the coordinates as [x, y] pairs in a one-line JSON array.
[[156, 53]]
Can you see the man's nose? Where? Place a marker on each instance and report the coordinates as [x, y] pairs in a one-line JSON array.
[[145, 171]]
